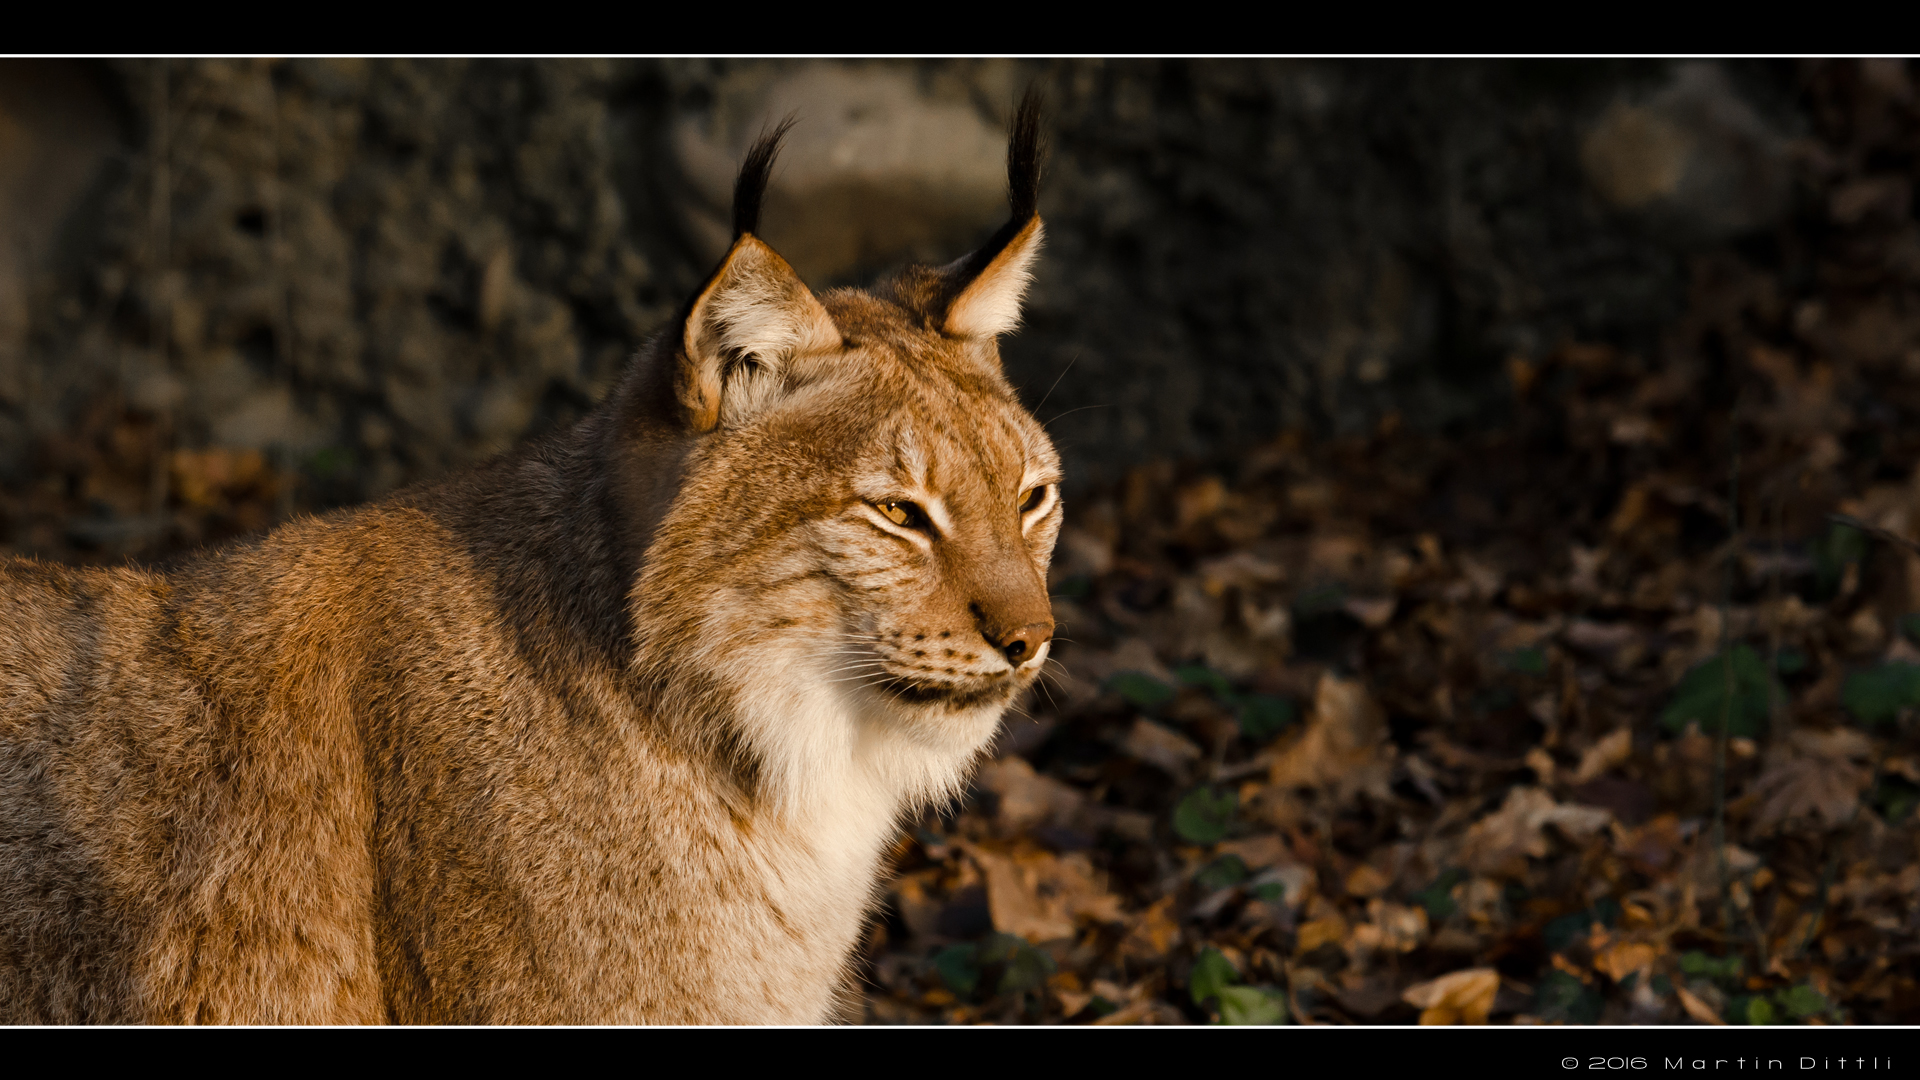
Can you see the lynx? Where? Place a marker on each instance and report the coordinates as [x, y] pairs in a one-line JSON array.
[[617, 728]]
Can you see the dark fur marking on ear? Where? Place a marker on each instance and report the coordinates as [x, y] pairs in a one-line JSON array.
[[1024, 157], [750, 188]]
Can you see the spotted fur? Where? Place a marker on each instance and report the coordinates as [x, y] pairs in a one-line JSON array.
[[614, 729]]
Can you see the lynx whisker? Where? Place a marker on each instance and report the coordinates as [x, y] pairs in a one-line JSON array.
[[1070, 412]]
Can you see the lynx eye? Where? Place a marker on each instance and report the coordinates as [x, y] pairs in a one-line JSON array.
[[904, 514], [1032, 499]]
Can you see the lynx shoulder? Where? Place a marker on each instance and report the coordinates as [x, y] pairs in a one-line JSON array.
[[614, 729]]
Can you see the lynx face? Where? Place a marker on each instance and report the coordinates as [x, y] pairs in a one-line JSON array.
[[874, 590], [891, 510], [938, 528], [949, 608]]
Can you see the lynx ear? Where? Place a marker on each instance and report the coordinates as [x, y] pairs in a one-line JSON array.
[[753, 316], [990, 304], [745, 327], [988, 285]]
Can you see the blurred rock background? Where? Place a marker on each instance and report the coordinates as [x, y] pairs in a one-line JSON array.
[[235, 290]]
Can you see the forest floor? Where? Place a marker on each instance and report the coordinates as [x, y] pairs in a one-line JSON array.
[[1517, 730], [1522, 729], [1606, 713]]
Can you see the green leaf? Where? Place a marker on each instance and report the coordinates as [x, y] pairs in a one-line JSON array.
[[1702, 695], [1437, 898], [957, 967], [1790, 661], [330, 461], [1842, 545], [1223, 872], [1526, 661], [1076, 587], [1803, 1001], [1755, 1010], [1724, 970], [1212, 973], [1324, 600], [1876, 696], [1272, 892], [1207, 679], [1492, 700], [1563, 997], [1910, 627], [1023, 967], [1564, 930], [1895, 799], [1204, 816], [1262, 716], [1248, 1005], [1141, 690]]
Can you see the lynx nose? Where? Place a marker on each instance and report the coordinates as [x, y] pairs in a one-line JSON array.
[[1018, 646]]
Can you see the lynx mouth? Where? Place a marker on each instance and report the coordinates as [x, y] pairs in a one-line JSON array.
[[953, 697]]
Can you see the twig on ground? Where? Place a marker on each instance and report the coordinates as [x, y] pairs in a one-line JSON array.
[[1875, 531], [1724, 736]]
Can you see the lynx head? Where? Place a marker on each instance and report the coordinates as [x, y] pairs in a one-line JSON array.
[[853, 561]]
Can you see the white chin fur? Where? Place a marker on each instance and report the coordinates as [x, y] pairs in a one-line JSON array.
[[819, 741]]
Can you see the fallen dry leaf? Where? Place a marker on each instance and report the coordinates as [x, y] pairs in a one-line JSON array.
[[1153, 931], [1029, 799], [1239, 569], [1599, 639], [1390, 927], [1129, 654], [1609, 753], [1702, 869], [1481, 899], [1038, 895], [1344, 745], [1624, 958], [1296, 883], [1698, 1009], [1372, 614], [1142, 1012], [1501, 842], [1159, 745], [919, 908], [1814, 777], [1463, 997], [1072, 1001], [1365, 881], [1139, 1004], [1258, 852], [1326, 930], [1014, 901], [204, 478]]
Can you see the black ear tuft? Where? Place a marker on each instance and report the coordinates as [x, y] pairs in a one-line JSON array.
[[1024, 154], [751, 186], [1023, 160]]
